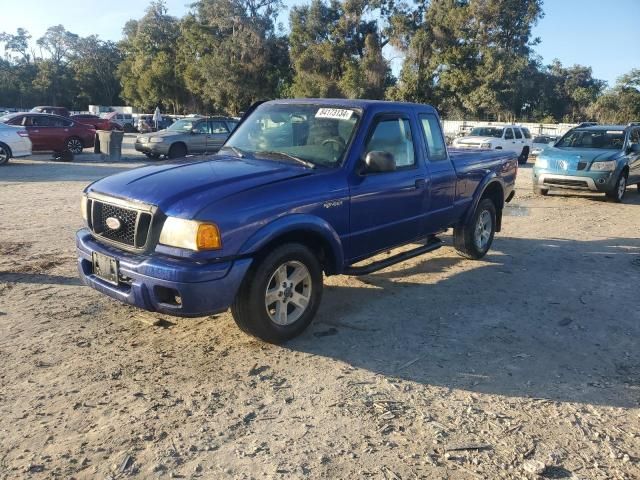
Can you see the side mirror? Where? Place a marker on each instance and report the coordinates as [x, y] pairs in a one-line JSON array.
[[379, 162], [634, 148]]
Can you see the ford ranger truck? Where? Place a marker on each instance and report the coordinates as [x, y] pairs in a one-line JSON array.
[[300, 189]]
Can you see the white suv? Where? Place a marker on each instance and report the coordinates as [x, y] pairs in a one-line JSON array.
[[513, 138]]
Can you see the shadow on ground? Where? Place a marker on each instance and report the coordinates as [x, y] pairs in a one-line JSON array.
[[521, 323]]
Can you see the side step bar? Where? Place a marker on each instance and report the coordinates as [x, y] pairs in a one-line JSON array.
[[432, 244]]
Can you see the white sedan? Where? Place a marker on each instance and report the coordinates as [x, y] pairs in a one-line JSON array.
[[14, 142]]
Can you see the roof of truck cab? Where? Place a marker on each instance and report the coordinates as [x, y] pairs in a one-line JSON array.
[[356, 103]]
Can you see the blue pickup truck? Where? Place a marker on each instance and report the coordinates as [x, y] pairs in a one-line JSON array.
[[301, 188]]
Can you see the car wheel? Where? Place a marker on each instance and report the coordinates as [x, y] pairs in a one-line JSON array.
[[74, 145], [5, 154], [541, 191], [617, 194], [177, 150], [638, 186], [474, 238], [280, 295], [524, 156]]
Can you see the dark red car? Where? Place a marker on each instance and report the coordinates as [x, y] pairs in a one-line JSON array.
[[95, 121], [62, 111], [53, 132]]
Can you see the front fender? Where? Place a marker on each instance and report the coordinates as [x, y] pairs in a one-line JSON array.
[[296, 223]]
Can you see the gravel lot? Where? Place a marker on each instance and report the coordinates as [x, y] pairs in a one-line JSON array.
[[438, 367]]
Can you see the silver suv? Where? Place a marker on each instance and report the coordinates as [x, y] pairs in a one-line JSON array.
[[187, 136]]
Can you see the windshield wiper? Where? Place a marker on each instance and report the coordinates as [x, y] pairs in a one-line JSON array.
[[299, 160], [236, 150]]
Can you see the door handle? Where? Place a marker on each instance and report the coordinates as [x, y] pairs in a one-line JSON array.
[[420, 183]]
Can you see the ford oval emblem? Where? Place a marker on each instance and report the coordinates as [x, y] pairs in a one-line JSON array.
[[113, 223]]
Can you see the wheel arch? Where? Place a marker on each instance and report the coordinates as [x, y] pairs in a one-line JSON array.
[[4, 145], [307, 230], [493, 188]]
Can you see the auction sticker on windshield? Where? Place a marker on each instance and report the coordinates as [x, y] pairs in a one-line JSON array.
[[335, 113]]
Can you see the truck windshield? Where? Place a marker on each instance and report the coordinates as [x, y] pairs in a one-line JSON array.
[[486, 132], [314, 133], [604, 139]]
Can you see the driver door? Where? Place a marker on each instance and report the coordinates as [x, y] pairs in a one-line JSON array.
[[198, 137], [388, 208], [218, 133]]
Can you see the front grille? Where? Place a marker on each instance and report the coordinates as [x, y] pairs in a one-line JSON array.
[[134, 224], [565, 183]]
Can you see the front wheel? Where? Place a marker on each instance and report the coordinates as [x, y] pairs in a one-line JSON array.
[[474, 238], [5, 155], [74, 145], [617, 194], [177, 150], [280, 295]]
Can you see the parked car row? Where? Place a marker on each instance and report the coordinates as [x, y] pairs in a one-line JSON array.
[[512, 138]]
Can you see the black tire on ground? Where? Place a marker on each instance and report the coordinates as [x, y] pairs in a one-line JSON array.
[[617, 194], [638, 185], [5, 154], [524, 156], [177, 150], [250, 309], [473, 239], [74, 145], [540, 191]]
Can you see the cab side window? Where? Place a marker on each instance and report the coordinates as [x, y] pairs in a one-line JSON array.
[[508, 134], [201, 127], [517, 132], [38, 121], [433, 136], [393, 135]]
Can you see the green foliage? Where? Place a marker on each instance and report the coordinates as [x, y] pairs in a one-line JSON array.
[[621, 104], [230, 55], [336, 51]]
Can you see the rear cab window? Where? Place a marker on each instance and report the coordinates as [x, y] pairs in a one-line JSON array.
[[518, 133], [432, 132]]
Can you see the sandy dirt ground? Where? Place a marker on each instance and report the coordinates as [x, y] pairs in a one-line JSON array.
[[439, 367]]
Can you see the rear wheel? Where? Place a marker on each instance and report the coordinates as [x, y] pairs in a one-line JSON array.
[[474, 238], [177, 150], [5, 154], [617, 194], [74, 145], [280, 295]]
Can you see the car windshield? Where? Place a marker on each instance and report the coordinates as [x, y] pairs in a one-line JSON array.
[[183, 125], [486, 132], [603, 139], [316, 134]]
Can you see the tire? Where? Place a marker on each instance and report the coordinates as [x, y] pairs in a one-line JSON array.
[[74, 145], [5, 154], [617, 194], [524, 156], [279, 321], [177, 150], [541, 191], [638, 187], [473, 239]]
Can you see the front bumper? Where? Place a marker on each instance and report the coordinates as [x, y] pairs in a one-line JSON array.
[[153, 148], [152, 282], [589, 181]]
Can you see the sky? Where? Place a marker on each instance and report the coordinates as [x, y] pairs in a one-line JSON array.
[[603, 34]]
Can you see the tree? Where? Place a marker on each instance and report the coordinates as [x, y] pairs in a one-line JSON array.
[[149, 69], [95, 65], [621, 104], [231, 54], [336, 50]]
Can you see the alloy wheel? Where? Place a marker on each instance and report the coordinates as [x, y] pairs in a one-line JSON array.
[[74, 146], [483, 229], [288, 293]]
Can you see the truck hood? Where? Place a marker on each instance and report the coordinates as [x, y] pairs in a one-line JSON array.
[[184, 187], [578, 154]]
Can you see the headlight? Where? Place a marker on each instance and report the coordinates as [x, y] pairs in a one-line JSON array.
[[603, 166], [84, 204], [542, 163], [485, 145], [156, 139], [190, 234]]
